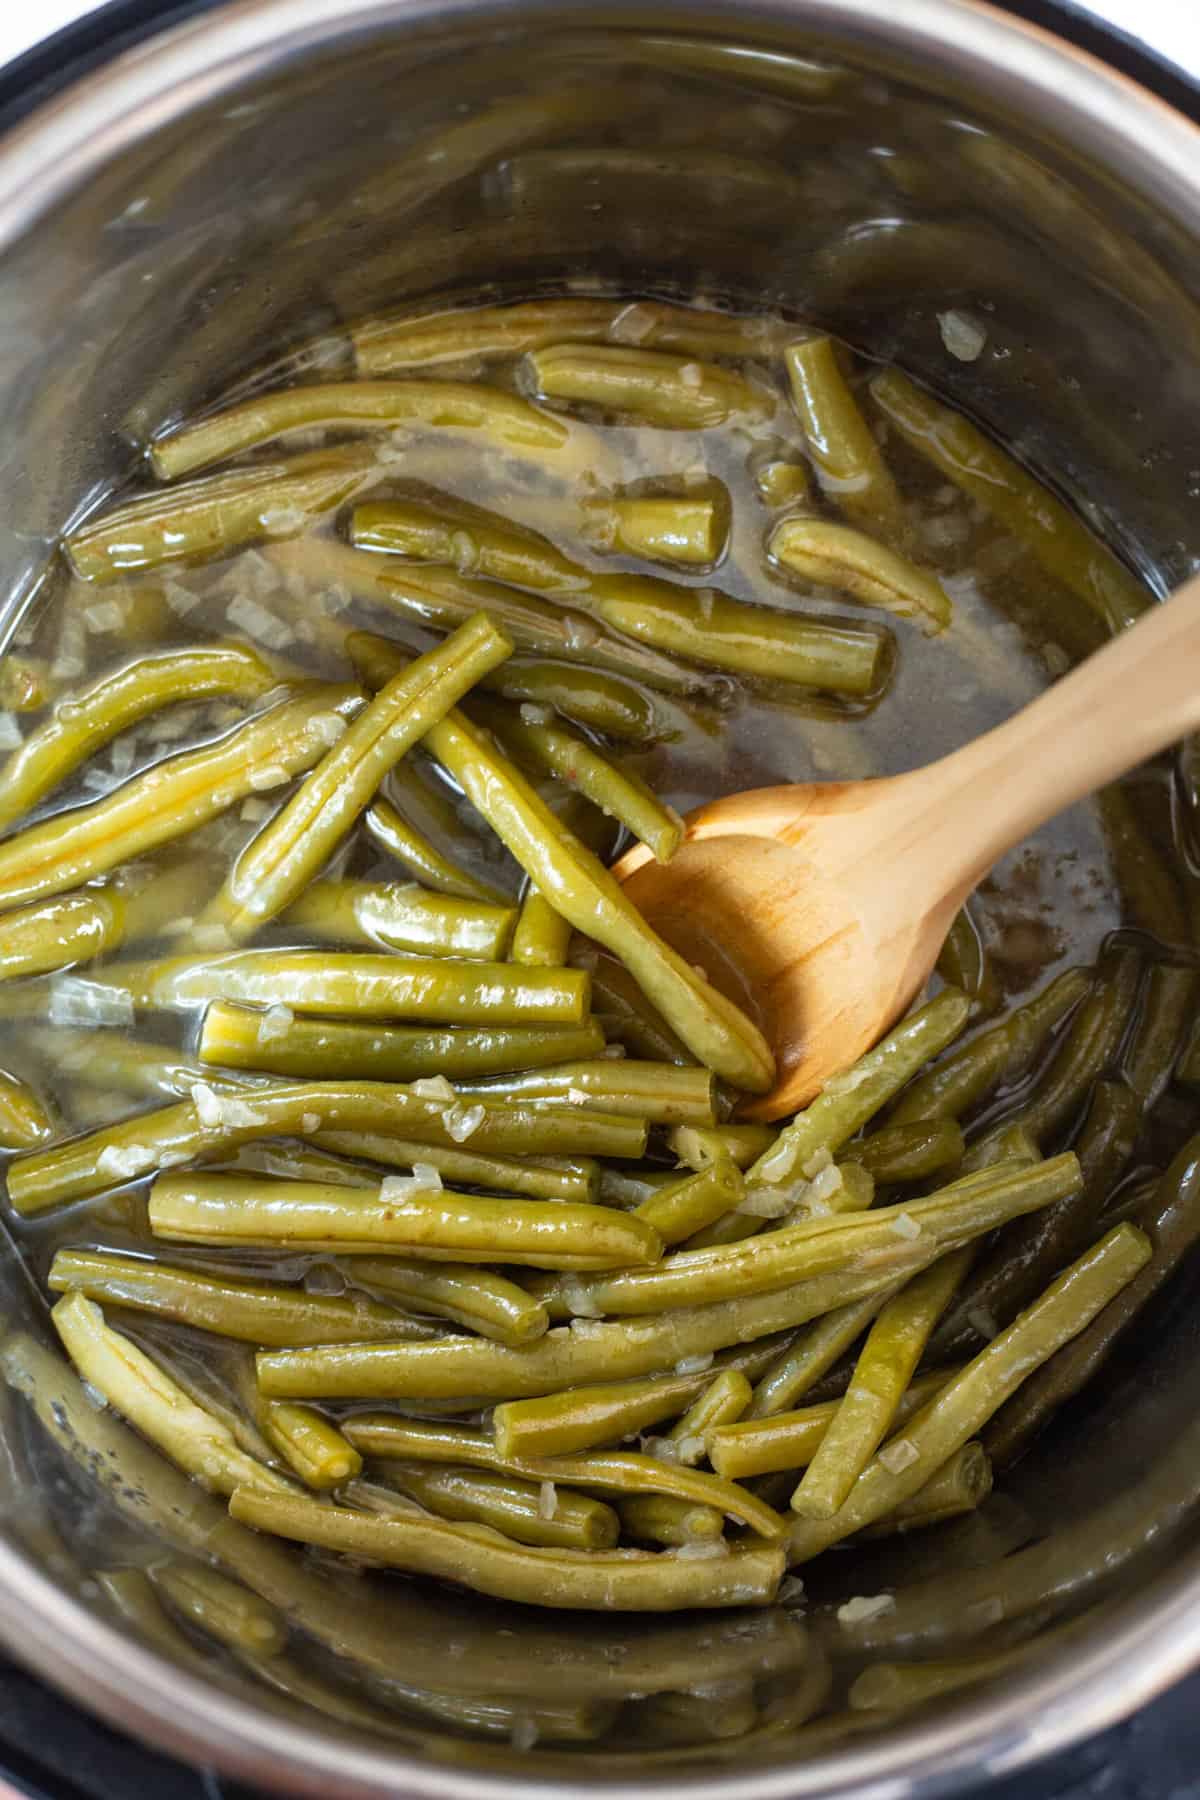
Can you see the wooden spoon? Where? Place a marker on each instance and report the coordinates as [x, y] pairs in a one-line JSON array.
[[822, 907]]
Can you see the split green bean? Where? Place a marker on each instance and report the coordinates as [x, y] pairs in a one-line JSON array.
[[906, 1152], [541, 937], [844, 558]]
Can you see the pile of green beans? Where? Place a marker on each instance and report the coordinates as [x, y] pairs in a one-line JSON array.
[[383, 1164]]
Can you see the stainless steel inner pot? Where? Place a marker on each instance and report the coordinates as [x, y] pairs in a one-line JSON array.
[[215, 195]]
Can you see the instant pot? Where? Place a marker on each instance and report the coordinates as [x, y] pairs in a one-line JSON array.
[[187, 191]]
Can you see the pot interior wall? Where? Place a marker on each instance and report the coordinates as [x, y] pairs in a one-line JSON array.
[[491, 160]]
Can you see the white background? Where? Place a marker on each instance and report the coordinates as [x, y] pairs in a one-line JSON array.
[[1170, 26]]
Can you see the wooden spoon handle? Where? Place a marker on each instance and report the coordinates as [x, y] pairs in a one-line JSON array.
[[1131, 699]]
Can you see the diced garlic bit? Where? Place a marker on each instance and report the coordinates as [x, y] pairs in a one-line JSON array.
[[865, 1607], [123, 1162], [694, 1365], [10, 732], [123, 753], [535, 715], [464, 552], [104, 615], [662, 1449], [215, 1111], [899, 1455], [962, 334], [329, 727], [433, 1087], [77, 1001], [905, 1226], [776, 1165], [276, 1022], [547, 1500], [210, 934], [579, 1300], [179, 927], [93, 1396], [279, 521], [766, 1203], [577, 1096], [255, 811], [847, 1082], [691, 1449], [180, 599], [97, 781], [334, 599], [982, 1613], [272, 775], [707, 1550], [982, 1321], [524, 1733], [580, 633], [691, 375], [257, 622], [632, 324], [428, 1178], [823, 1187], [310, 1122], [462, 1121], [820, 1159], [791, 1591]]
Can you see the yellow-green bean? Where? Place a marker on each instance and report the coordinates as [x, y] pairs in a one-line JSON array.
[[894, 1687], [542, 1177], [310, 1444], [651, 385], [661, 1519], [529, 1512], [658, 1092], [789, 1440], [75, 928], [906, 1152], [223, 1608], [477, 1299], [629, 1017], [686, 1206], [25, 1120], [541, 936], [812, 1353], [398, 838], [840, 442], [700, 1145], [963, 962], [963, 1482], [606, 703], [689, 528], [842, 557], [723, 1400], [389, 915]]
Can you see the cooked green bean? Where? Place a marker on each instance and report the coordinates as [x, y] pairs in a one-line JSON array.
[[781, 481], [885, 1367], [841, 557], [963, 1483], [1061, 542], [217, 514], [563, 753], [310, 1444], [580, 888], [825, 1246], [383, 346], [128, 1066], [130, 1595], [661, 1519], [658, 1092], [907, 1152], [25, 1121], [80, 726], [276, 866], [723, 1400], [605, 703], [1090, 1044], [75, 928], [541, 936], [146, 1396], [529, 1512], [700, 1145], [287, 1043], [812, 1353], [689, 528], [209, 1124], [651, 385], [1150, 889], [630, 1018], [970, 1398], [1165, 1013], [477, 1299], [683, 1207], [254, 1312], [964, 963], [173, 797], [541, 1177], [476, 1557], [895, 1687], [848, 1101], [1171, 1219], [402, 916], [840, 442], [224, 1609], [26, 684], [790, 1440], [373, 987], [1002, 1053], [497, 417], [398, 838]]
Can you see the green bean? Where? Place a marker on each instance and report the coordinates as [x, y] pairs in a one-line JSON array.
[[686, 1206], [651, 385], [541, 1177], [157, 1406], [398, 838], [972, 1396], [907, 1152], [373, 987], [390, 915], [848, 1101], [661, 1519], [76, 928], [1166, 1011], [224, 1609], [174, 1134], [884, 1369], [690, 528], [131, 1597], [701, 1145], [1171, 1219], [26, 684], [217, 514], [80, 726], [497, 417], [434, 1223], [254, 1312], [1002, 1053], [274, 869], [477, 1299], [128, 1066], [724, 1399], [789, 1440], [25, 1121], [383, 346], [781, 481], [580, 888], [964, 963], [895, 1687], [172, 798], [824, 1246], [1149, 889], [658, 1092], [438, 599], [1058, 539], [812, 1353], [840, 442], [606, 703], [842, 557], [1003, 1144], [529, 1512], [962, 1484], [541, 937], [1090, 1044], [569, 757], [475, 1557], [1031, 1251], [630, 1017], [310, 1444]]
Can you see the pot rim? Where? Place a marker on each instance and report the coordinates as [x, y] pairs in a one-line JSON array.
[[1149, 1640]]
